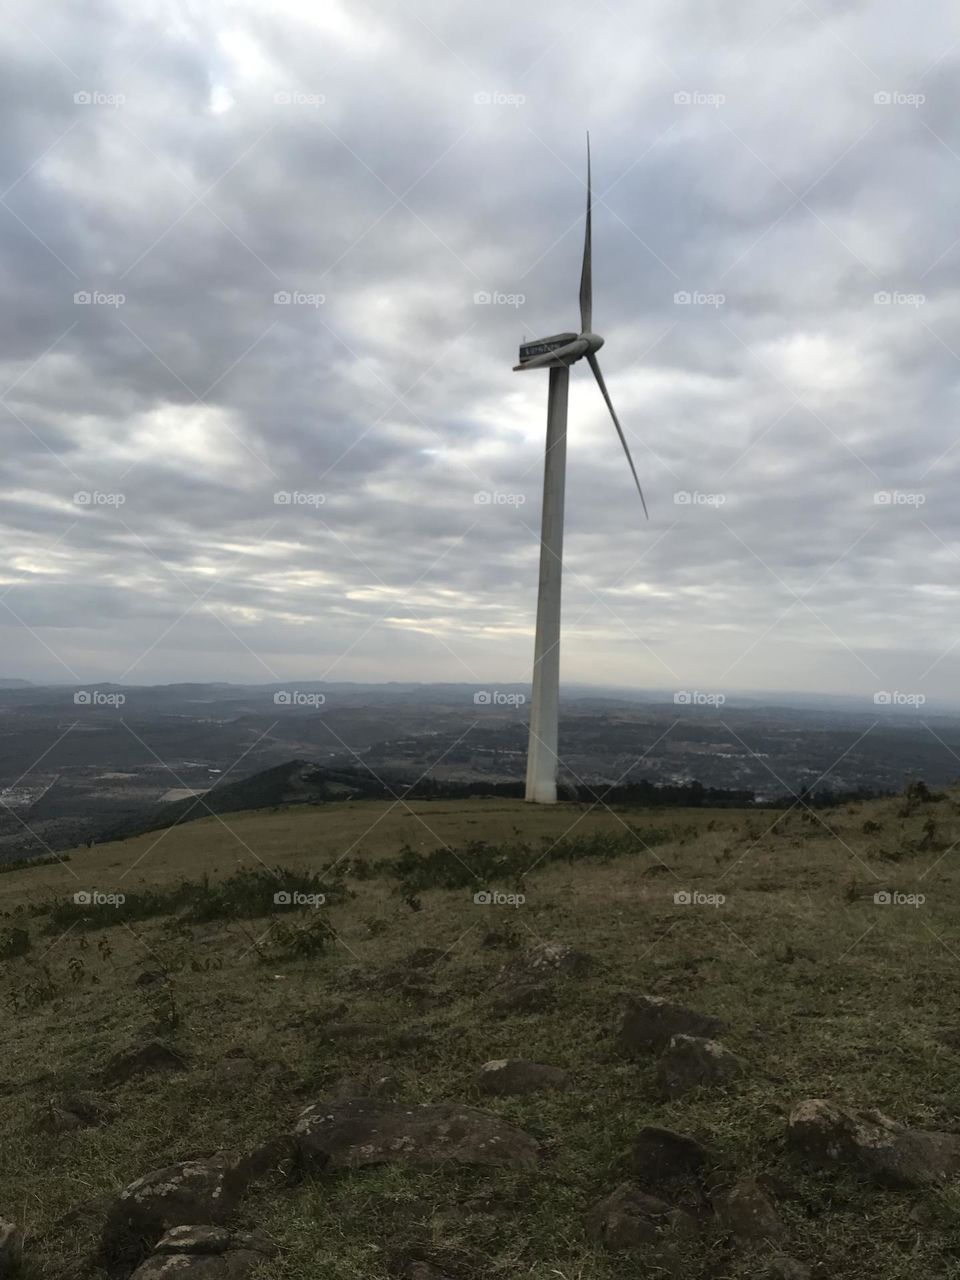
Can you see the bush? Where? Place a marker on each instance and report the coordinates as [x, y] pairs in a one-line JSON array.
[[245, 895], [480, 864]]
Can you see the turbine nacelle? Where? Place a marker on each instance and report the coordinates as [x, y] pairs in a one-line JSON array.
[[558, 351]]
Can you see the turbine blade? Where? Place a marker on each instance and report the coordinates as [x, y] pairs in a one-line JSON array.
[[586, 272], [594, 365], [572, 351]]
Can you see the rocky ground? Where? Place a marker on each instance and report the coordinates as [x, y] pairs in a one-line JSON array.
[[730, 1048]]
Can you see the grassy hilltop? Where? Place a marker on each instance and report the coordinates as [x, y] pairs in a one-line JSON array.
[[822, 992]]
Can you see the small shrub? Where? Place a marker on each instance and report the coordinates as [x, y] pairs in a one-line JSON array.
[[14, 942], [245, 895]]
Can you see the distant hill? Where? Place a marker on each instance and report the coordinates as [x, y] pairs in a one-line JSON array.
[[298, 782], [10, 683]]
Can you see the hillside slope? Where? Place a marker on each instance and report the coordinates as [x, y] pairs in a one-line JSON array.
[[401, 985]]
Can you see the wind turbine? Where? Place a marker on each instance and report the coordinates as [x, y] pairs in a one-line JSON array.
[[558, 353]]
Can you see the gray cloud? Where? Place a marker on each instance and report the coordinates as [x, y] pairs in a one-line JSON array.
[[234, 154]]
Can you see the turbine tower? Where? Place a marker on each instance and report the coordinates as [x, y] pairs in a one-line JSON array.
[[557, 353]]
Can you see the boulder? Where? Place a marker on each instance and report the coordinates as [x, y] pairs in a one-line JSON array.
[[190, 1238], [367, 1131], [870, 1142], [660, 1155], [202, 1192], [504, 1076], [137, 1060], [205, 1252], [691, 1062], [651, 1022], [747, 1213], [628, 1218]]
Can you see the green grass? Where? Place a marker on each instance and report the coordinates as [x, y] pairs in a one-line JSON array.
[[824, 993]]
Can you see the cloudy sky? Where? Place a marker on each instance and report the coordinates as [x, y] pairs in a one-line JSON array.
[[171, 168]]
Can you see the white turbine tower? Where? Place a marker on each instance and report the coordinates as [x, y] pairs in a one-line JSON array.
[[558, 353]]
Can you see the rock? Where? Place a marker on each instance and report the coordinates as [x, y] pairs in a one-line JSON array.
[[72, 1111], [628, 1218], [690, 1062], [277, 1158], [554, 958], [364, 1131], [11, 1246], [660, 1155], [152, 1056], [202, 1192], [194, 1239], [212, 1240], [784, 1268], [149, 978], [650, 1023], [747, 1212], [205, 1252], [527, 997], [872, 1143], [505, 1076]]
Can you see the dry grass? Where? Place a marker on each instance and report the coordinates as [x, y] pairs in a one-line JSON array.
[[823, 991]]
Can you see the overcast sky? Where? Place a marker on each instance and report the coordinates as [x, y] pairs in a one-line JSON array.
[[787, 167]]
